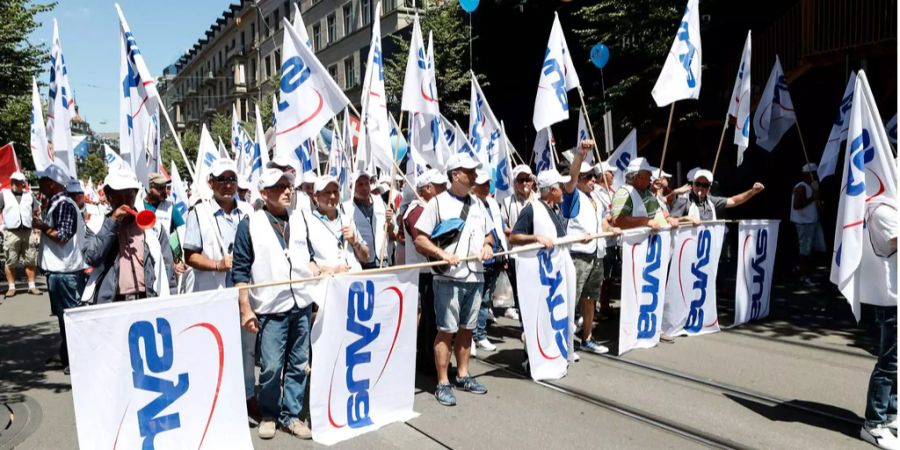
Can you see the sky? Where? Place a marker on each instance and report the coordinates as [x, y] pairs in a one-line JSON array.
[[89, 32]]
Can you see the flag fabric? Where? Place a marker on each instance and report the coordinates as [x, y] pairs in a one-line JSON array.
[[8, 164], [179, 191], [558, 76], [757, 244], [60, 107], [207, 154], [222, 152], [398, 141], [838, 131], [270, 132], [583, 134], [484, 128], [300, 28], [40, 151], [235, 132], [891, 129], [309, 98], [775, 112], [114, 162], [680, 76], [625, 152], [643, 288], [339, 164], [79, 145], [869, 177], [259, 158], [364, 340], [543, 151], [690, 306], [419, 85], [739, 108], [427, 135], [377, 135], [502, 173]]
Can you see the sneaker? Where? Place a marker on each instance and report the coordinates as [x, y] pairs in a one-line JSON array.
[[473, 350], [511, 313], [34, 291], [468, 384], [266, 428], [444, 395], [667, 339], [575, 357], [298, 429], [892, 422], [593, 347], [879, 436], [485, 344]]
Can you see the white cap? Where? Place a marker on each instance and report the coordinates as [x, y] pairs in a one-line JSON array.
[[586, 167], [243, 184], [323, 182], [462, 161], [639, 164], [438, 178], [280, 161], [604, 167], [308, 178], [660, 173], [221, 166], [121, 180], [55, 173], [549, 178], [270, 177], [691, 173], [74, 187], [424, 179], [361, 173], [520, 169], [482, 177], [810, 167], [704, 174], [17, 176]]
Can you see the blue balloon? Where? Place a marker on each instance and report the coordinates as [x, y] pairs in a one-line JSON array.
[[600, 55], [468, 5]]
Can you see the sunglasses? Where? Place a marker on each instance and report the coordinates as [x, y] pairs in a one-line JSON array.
[[222, 179], [702, 185], [280, 187], [524, 180]]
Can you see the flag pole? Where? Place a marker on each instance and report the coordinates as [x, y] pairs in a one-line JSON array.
[[187, 163], [390, 205], [721, 139], [802, 143], [552, 146], [662, 160], [591, 130]]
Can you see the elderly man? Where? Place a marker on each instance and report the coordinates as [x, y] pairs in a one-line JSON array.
[[370, 215], [18, 207], [492, 267], [62, 235], [698, 205], [271, 244], [635, 204], [335, 243], [458, 289], [523, 194], [167, 215], [805, 217]]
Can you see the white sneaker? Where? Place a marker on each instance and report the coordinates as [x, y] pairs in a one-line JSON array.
[[879, 436], [485, 344], [892, 422], [575, 357], [266, 428], [511, 313], [473, 351]]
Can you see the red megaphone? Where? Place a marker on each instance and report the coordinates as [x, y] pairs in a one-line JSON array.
[[144, 219]]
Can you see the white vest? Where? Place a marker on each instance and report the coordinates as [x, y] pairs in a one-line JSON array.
[[63, 258], [17, 214], [807, 214], [588, 221], [470, 242], [272, 263], [543, 223], [513, 207], [328, 250], [372, 233], [694, 212], [205, 280], [637, 203], [409, 250]]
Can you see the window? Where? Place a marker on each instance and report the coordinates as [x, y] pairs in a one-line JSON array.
[[331, 21], [317, 37], [253, 32], [242, 41], [287, 9], [253, 71], [268, 27], [277, 61], [276, 21], [268, 66], [347, 14], [366, 12], [349, 73], [332, 70]]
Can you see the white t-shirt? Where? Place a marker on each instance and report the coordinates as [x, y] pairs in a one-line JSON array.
[[478, 225], [327, 245]]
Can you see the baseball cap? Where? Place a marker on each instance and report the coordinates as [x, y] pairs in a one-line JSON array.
[[691, 173], [550, 177], [17, 176], [462, 161], [482, 177], [520, 169], [55, 173], [585, 167], [121, 180], [439, 178], [361, 173], [271, 176], [810, 167], [158, 179], [280, 161], [74, 187], [639, 164], [323, 182], [659, 173], [703, 173], [604, 167], [243, 184], [424, 179], [221, 166]]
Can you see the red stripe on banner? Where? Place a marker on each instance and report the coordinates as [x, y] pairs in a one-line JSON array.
[[396, 332], [306, 120], [215, 332], [853, 224]]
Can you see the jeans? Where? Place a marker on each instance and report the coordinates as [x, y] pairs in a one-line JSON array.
[[248, 352], [487, 302], [880, 401], [65, 292], [283, 336]]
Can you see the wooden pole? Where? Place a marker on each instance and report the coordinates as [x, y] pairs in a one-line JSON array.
[[802, 144], [591, 130], [721, 139], [662, 161]]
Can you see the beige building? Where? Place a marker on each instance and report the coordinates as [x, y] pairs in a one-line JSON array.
[[237, 60]]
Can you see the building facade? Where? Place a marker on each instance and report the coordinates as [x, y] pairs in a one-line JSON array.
[[237, 61]]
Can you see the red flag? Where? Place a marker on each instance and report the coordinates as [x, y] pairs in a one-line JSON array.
[[7, 164]]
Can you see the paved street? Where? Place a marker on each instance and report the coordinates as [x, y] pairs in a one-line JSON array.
[[797, 380]]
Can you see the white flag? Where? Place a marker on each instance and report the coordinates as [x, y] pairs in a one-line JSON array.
[[643, 288], [739, 107], [40, 152], [309, 98], [680, 76], [775, 112], [179, 190], [235, 133], [558, 76], [690, 306], [207, 154], [300, 27], [757, 243], [419, 88], [870, 175], [583, 133], [222, 152], [428, 136], [375, 117], [484, 128], [502, 176], [838, 131], [259, 157], [891, 128], [625, 152], [339, 163], [114, 162], [543, 151], [60, 108]]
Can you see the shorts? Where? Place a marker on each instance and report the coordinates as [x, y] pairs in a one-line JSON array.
[[588, 275], [810, 237], [456, 304], [20, 248]]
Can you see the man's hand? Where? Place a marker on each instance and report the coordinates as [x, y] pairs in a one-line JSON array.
[[225, 263], [249, 320], [585, 147], [545, 241], [487, 252], [121, 213], [388, 214], [682, 190], [653, 225], [453, 260], [349, 235], [587, 239], [615, 230], [180, 268], [757, 187], [673, 222], [695, 221]]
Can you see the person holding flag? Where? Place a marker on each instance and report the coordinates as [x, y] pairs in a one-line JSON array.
[[370, 214], [699, 205], [805, 206], [18, 207], [512, 206], [335, 244]]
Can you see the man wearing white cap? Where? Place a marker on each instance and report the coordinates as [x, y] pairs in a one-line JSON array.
[[62, 234], [335, 243], [635, 204], [18, 207], [698, 205], [458, 289], [492, 267], [523, 194], [370, 215], [603, 193], [805, 217], [76, 192], [272, 244], [170, 217], [211, 225]]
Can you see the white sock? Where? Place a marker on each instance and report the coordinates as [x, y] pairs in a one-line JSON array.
[[31, 285]]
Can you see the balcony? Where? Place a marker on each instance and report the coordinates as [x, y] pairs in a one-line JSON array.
[[209, 77], [236, 52]]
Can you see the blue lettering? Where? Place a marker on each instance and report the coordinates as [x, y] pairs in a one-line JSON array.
[[623, 160], [695, 318], [861, 153], [688, 56], [560, 326], [559, 86], [294, 72], [759, 273], [646, 325], [360, 308]]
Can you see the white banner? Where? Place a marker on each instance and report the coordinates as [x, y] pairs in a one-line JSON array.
[[645, 263], [690, 306], [364, 334], [757, 241], [547, 300], [159, 373]]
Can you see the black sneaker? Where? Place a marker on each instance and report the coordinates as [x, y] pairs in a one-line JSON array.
[[468, 384]]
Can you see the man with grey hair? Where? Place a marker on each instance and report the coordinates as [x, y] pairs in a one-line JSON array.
[[635, 204]]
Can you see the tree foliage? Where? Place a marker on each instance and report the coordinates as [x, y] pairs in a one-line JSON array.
[[190, 141], [19, 61], [93, 167]]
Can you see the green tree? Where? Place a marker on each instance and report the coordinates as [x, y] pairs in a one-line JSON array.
[[19, 61], [220, 128], [190, 142], [93, 167], [450, 27]]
